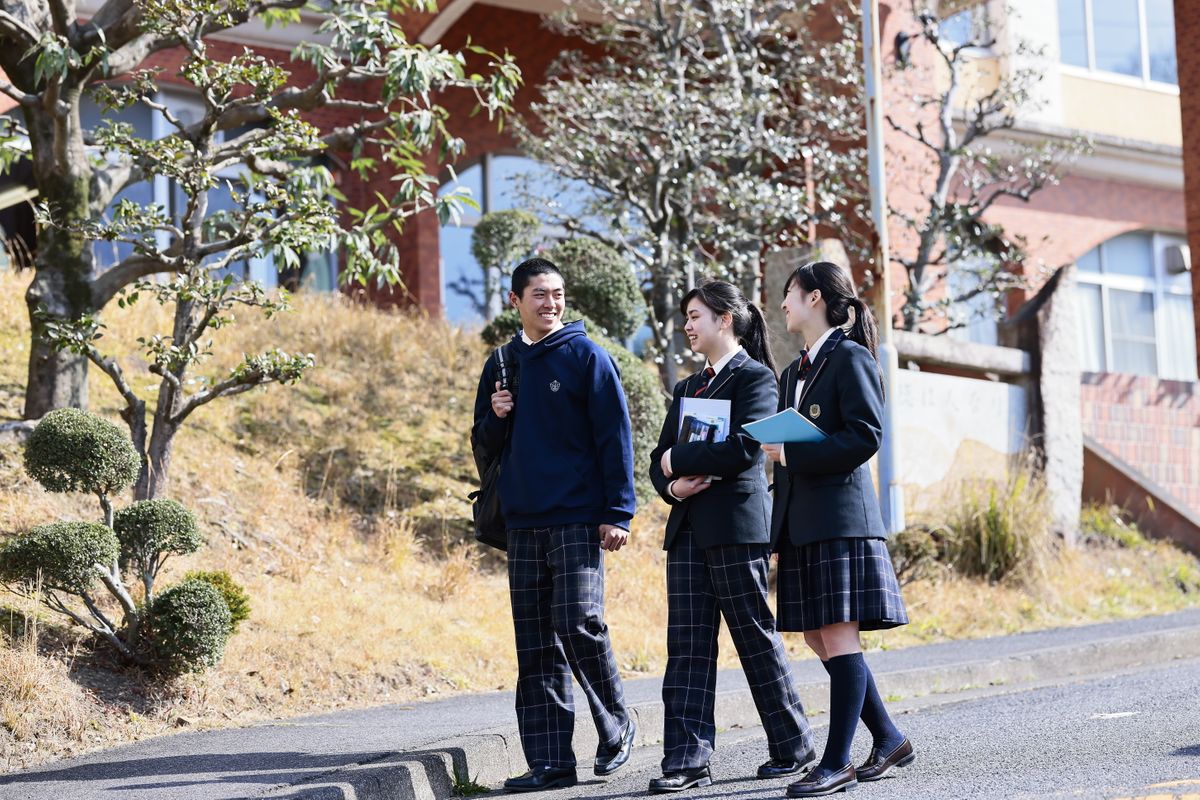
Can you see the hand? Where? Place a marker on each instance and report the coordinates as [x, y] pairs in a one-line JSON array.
[[773, 451], [502, 402], [665, 463], [612, 537], [692, 484]]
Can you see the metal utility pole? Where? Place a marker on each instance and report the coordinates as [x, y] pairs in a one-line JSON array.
[[891, 495]]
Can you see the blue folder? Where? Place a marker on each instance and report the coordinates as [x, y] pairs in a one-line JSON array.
[[788, 425]]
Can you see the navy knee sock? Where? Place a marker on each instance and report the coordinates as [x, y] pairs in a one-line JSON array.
[[884, 733], [847, 687]]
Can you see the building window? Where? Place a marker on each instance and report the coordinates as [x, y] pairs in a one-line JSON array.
[[317, 271], [968, 25], [1124, 37], [1135, 303], [497, 182]]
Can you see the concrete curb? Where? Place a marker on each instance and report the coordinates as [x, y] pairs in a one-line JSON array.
[[490, 756]]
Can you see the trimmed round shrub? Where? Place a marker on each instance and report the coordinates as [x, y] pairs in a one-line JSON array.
[[506, 323], [233, 593], [74, 451], [190, 624], [600, 285], [502, 237], [150, 528], [643, 391], [64, 554]]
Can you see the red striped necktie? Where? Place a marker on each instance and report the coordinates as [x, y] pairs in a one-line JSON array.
[[709, 372], [805, 366]]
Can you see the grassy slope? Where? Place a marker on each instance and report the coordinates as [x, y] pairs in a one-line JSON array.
[[339, 503]]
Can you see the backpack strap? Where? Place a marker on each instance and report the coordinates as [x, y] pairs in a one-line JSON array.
[[502, 367]]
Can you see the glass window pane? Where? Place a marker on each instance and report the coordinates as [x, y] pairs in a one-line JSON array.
[[1131, 323], [141, 118], [976, 315], [966, 26], [1160, 34], [462, 277], [1089, 261], [1072, 33], [521, 182], [1179, 338], [511, 175], [1091, 329], [1117, 36], [470, 178], [1129, 254]]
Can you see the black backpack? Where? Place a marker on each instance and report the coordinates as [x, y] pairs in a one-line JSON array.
[[485, 503]]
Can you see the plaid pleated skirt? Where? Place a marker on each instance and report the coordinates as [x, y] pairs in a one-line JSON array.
[[839, 580]]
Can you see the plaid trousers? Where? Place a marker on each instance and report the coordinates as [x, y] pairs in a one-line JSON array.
[[556, 584], [702, 586]]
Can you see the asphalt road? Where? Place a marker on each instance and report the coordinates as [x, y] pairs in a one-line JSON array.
[[1134, 735]]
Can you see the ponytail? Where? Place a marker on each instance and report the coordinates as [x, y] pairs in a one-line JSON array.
[[757, 339], [864, 330], [749, 326]]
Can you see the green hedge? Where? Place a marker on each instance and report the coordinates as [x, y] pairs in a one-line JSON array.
[[600, 286], [151, 528], [74, 451], [63, 555], [190, 625], [234, 595]]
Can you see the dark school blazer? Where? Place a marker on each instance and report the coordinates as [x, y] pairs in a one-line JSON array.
[[735, 509], [826, 491]]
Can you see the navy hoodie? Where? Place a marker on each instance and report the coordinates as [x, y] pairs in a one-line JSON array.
[[570, 455]]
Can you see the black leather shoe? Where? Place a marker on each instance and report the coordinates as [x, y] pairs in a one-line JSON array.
[[540, 778], [611, 759], [878, 764], [681, 779], [820, 782], [782, 767]]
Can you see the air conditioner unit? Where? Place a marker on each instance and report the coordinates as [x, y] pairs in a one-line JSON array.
[[1178, 259]]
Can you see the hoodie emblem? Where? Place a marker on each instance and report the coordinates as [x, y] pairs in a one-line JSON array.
[[555, 386]]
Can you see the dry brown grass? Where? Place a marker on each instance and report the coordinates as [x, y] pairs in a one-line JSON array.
[[340, 505]]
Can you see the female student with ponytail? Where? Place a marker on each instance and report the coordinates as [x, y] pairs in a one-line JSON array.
[[835, 575], [718, 546]]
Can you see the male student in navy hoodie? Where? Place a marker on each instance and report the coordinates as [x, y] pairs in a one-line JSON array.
[[566, 491]]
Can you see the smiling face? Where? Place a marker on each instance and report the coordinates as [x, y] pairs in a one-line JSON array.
[[707, 333], [541, 305], [803, 310]]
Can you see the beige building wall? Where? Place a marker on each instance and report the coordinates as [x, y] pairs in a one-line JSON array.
[[1098, 105]]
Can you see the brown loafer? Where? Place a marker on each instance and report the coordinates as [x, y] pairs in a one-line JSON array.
[[877, 764], [820, 782]]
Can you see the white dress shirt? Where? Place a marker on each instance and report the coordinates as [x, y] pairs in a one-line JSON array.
[[812, 354], [716, 368]]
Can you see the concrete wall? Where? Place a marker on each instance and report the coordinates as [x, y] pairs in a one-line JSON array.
[[953, 429]]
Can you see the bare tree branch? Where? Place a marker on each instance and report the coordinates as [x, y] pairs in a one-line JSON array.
[[133, 268]]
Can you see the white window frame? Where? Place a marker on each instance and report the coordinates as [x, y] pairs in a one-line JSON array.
[[1144, 81], [1155, 285]]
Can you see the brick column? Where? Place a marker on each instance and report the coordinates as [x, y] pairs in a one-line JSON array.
[[1187, 28]]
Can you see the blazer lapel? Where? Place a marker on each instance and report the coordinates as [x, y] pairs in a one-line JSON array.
[[722, 377], [789, 384], [818, 365]]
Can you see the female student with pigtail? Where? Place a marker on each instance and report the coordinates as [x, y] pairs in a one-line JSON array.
[[835, 575], [718, 546]]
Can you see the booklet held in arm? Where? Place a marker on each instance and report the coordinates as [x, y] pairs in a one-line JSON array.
[[788, 425]]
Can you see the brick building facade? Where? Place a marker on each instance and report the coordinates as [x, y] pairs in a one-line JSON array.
[[1128, 193], [1140, 188]]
